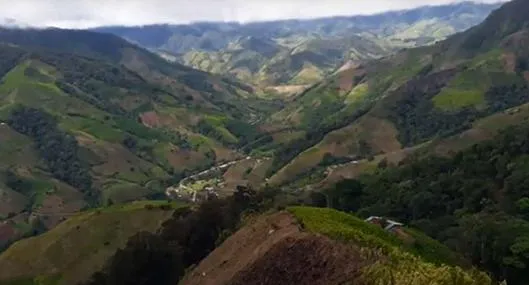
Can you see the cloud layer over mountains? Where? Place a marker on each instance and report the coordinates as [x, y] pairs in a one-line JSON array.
[[91, 13]]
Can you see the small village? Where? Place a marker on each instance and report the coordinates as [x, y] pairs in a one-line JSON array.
[[201, 186]]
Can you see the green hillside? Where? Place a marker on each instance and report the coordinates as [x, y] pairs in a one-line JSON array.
[[410, 99], [474, 201], [413, 257], [81, 245], [88, 119], [193, 239]]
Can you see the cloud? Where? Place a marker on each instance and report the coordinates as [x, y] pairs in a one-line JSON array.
[[91, 13]]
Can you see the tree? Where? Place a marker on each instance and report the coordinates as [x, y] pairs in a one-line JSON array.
[[146, 259], [523, 207], [184, 240], [345, 195], [130, 143], [317, 199]]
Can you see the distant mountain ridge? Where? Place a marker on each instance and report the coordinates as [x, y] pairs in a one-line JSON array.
[[300, 52], [159, 36]]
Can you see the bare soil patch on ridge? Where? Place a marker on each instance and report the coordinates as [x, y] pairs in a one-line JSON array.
[[274, 250]]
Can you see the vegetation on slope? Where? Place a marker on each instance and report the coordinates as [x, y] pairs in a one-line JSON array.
[[474, 202], [416, 261], [185, 239], [307, 63], [149, 109], [418, 95], [128, 135], [76, 248], [59, 150], [100, 121], [417, 108]]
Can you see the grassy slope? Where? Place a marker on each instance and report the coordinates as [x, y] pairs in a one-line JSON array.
[[162, 88], [379, 134], [79, 246], [419, 260], [310, 60]]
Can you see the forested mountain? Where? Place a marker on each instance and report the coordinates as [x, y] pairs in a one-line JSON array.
[[89, 119], [301, 51], [437, 98], [475, 202]]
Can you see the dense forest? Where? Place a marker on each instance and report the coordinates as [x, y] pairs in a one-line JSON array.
[[58, 149], [418, 119], [477, 202]]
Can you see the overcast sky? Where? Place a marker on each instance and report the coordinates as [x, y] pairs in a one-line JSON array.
[[90, 13]]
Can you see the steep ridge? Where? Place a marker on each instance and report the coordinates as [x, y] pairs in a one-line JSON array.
[[318, 246], [413, 97]]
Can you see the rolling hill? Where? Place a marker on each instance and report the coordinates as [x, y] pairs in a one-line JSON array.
[[299, 52], [396, 105], [90, 119]]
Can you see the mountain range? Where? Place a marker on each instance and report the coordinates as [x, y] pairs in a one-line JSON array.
[[434, 137], [299, 52]]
